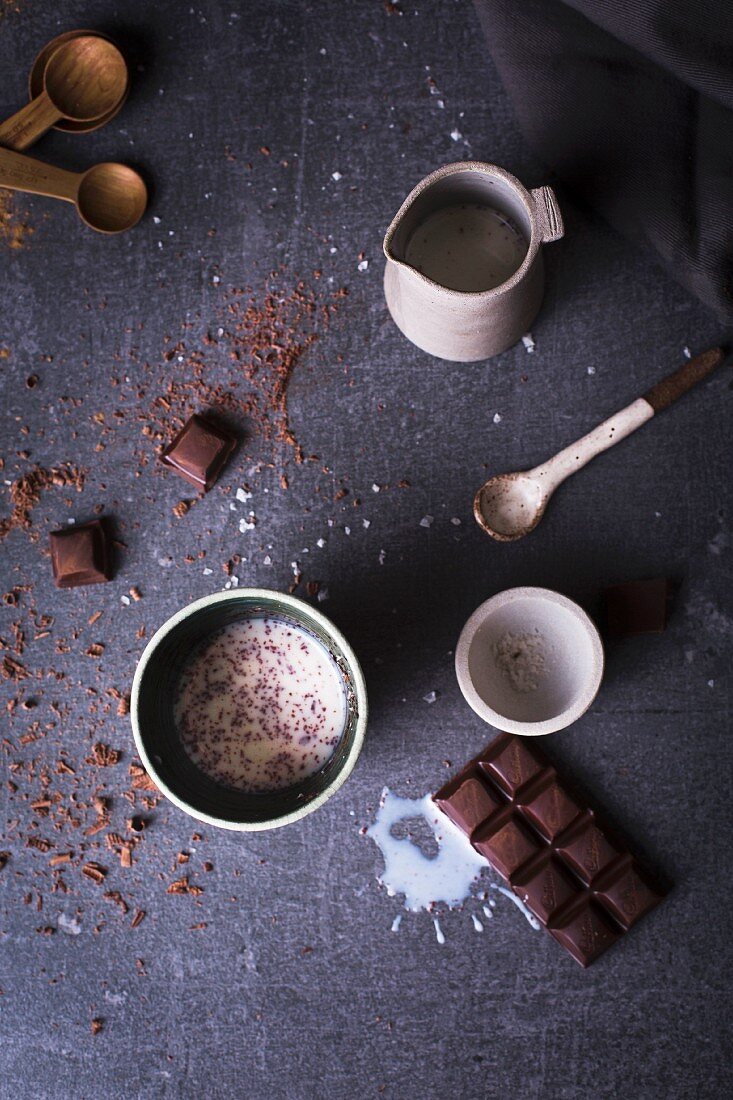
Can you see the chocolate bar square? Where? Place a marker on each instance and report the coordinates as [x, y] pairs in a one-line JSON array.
[[513, 766], [507, 848], [585, 933], [199, 452], [551, 810], [637, 607], [629, 896], [80, 555], [546, 889], [469, 805], [588, 850]]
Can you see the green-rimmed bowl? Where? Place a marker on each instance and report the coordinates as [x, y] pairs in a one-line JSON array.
[[153, 726]]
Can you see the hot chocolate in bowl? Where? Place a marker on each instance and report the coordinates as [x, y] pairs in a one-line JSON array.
[[249, 709]]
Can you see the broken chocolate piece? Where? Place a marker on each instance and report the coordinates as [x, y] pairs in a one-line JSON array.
[[559, 858], [637, 607], [199, 451], [80, 555]]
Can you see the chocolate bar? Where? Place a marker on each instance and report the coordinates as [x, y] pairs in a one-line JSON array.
[[559, 858], [80, 555], [637, 607], [199, 451]]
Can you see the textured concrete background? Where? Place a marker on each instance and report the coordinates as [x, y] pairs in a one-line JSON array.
[[296, 988]]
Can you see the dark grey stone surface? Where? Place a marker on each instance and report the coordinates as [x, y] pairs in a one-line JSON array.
[[297, 988]]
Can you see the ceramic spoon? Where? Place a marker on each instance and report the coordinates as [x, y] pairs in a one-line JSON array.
[[509, 506], [84, 79], [108, 197]]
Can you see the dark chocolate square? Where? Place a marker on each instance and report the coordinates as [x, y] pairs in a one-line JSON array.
[[512, 766], [551, 811], [469, 805], [80, 555], [629, 895], [637, 607], [588, 850], [585, 933], [507, 848], [199, 451], [546, 889]]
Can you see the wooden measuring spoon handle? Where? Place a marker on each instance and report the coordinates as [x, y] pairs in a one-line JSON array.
[[29, 123], [22, 173], [680, 381]]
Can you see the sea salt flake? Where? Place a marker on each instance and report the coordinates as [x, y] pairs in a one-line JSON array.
[[455, 521], [247, 524], [362, 265], [426, 521], [430, 697], [207, 571], [125, 600], [528, 341], [242, 495]]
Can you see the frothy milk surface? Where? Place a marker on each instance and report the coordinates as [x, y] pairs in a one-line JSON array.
[[467, 247], [261, 705]]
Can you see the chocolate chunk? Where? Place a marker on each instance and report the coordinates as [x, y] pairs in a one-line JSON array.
[[559, 858], [637, 607], [199, 451], [80, 555]]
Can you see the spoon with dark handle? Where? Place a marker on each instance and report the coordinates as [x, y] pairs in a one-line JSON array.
[[84, 79], [509, 506], [108, 197]]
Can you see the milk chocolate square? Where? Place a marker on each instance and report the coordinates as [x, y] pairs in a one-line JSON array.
[[199, 451], [80, 555]]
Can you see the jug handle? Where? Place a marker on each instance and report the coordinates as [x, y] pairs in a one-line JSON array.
[[548, 214]]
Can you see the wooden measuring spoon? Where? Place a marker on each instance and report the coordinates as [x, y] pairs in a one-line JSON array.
[[509, 506], [85, 79], [108, 197]]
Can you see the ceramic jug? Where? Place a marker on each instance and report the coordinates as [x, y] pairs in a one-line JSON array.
[[464, 276]]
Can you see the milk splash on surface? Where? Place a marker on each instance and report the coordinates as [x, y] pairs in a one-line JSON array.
[[426, 882]]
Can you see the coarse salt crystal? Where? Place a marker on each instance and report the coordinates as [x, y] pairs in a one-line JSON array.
[[456, 135], [362, 265], [242, 495], [366, 522], [336, 176], [455, 521], [382, 556], [322, 594], [320, 543], [207, 571], [267, 560], [430, 697], [347, 530], [375, 487], [591, 370], [247, 524], [528, 341], [426, 521], [497, 418], [125, 600]]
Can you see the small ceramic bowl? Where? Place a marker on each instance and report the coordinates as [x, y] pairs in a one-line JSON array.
[[151, 711], [529, 661]]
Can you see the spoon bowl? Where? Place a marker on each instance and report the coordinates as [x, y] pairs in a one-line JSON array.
[[509, 506], [85, 78], [111, 197], [36, 79]]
